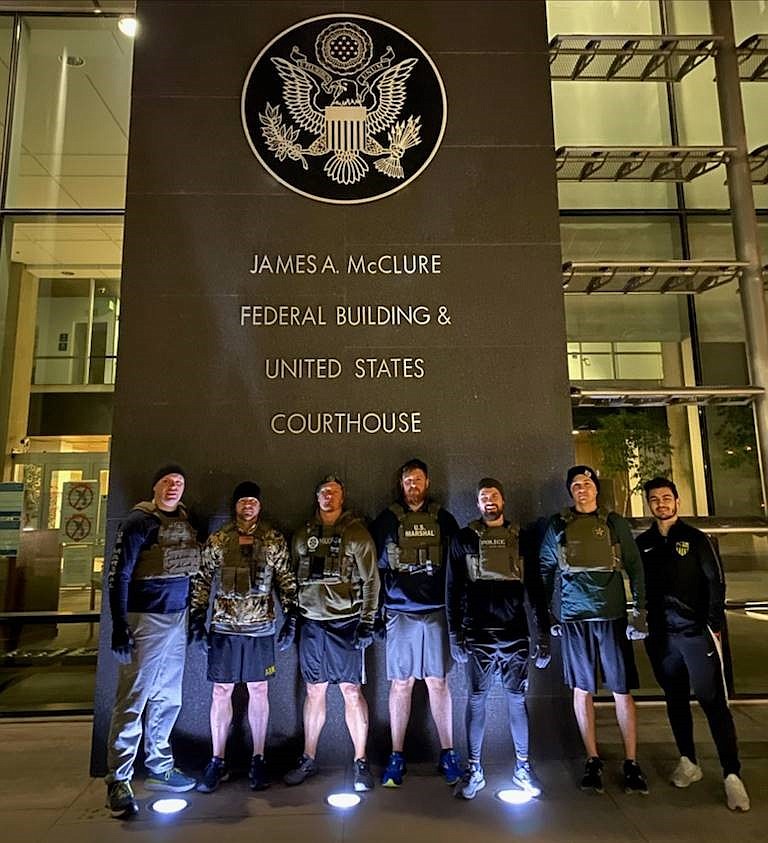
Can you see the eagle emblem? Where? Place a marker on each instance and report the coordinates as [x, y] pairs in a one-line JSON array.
[[343, 100], [344, 108]]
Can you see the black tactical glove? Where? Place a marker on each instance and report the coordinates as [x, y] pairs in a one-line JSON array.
[[287, 634], [363, 636], [380, 628], [542, 655], [197, 633], [123, 642], [637, 628], [459, 652]]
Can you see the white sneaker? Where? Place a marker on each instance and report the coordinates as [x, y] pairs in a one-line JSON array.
[[736, 794], [686, 773]]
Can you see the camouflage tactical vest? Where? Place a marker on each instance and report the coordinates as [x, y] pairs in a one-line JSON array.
[[589, 543], [419, 548], [498, 556], [176, 554]]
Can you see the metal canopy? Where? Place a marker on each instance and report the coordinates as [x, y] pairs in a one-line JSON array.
[[648, 277], [640, 163], [758, 165], [629, 58], [664, 396], [753, 58]]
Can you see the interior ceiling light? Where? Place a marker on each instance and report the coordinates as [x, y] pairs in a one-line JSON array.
[[169, 806], [72, 61], [128, 25], [343, 800]]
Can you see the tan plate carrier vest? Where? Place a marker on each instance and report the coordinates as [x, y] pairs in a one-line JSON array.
[[177, 552], [419, 548], [244, 569], [322, 557], [498, 556], [589, 543]]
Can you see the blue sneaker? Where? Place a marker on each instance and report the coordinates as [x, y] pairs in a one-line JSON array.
[[449, 766], [395, 770], [172, 780]]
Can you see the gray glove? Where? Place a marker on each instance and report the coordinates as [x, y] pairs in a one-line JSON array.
[[637, 628], [459, 652]]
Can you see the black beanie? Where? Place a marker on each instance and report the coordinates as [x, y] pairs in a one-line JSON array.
[[170, 468], [575, 470], [490, 483], [246, 489]]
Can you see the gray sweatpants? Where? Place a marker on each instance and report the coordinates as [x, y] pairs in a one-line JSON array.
[[151, 682]]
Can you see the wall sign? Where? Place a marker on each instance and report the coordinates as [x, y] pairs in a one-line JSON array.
[[344, 108]]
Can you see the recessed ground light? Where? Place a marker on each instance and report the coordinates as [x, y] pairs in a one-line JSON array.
[[343, 800], [169, 806], [72, 61], [512, 796]]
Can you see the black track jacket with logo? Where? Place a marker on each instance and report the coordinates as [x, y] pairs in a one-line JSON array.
[[684, 583]]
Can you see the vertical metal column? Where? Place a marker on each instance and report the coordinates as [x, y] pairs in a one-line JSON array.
[[745, 231]]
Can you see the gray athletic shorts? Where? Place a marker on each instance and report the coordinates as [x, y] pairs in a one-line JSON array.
[[417, 645]]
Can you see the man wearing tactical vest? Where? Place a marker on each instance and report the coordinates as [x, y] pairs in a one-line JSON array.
[[242, 563], [155, 554], [412, 538], [486, 584], [582, 556], [335, 561], [686, 614]]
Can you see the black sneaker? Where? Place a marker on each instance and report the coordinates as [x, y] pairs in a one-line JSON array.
[[363, 777], [634, 780], [593, 775], [120, 800], [304, 769], [257, 773], [214, 774]]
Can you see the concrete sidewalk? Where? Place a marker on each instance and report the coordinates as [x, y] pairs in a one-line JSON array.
[[47, 795]]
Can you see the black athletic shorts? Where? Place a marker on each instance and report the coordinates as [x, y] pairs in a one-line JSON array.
[[326, 653], [240, 658], [509, 659], [589, 644]]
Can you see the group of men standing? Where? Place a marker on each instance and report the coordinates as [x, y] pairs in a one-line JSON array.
[[438, 595]]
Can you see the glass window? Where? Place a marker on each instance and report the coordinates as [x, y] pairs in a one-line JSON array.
[[601, 17], [70, 137], [711, 238], [619, 238], [733, 461]]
